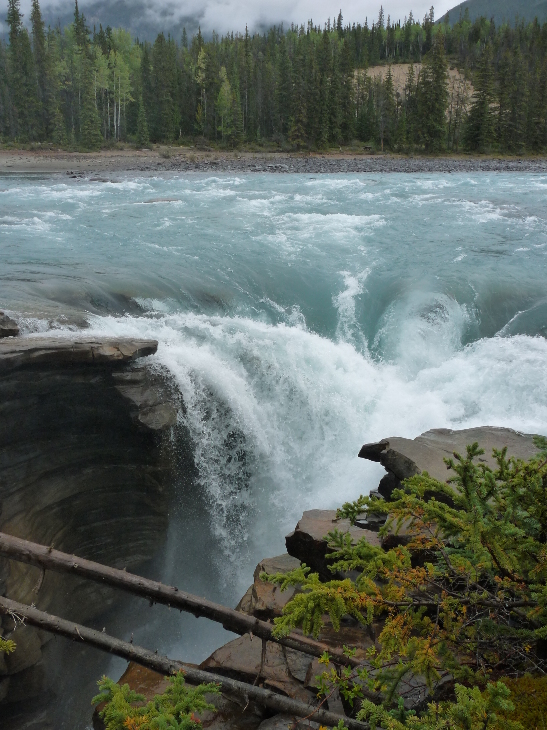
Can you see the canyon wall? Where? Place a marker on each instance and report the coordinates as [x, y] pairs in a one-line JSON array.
[[85, 465]]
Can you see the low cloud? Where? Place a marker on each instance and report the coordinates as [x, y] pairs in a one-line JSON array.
[[145, 18]]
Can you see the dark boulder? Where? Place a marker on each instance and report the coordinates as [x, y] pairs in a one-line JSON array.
[[8, 327]]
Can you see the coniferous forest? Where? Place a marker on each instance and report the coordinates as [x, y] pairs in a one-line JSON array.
[[304, 87]]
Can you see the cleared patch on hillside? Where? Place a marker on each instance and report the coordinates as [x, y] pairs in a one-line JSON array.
[[399, 72]]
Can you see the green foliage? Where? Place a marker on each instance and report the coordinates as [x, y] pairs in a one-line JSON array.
[[432, 98], [308, 86], [472, 710], [173, 710], [529, 696], [463, 597], [481, 122], [6, 646], [142, 138]]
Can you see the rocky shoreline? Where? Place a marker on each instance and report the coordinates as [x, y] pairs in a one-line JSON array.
[[95, 165]]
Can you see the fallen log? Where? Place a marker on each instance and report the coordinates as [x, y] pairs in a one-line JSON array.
[[164, 665], [49, 559]]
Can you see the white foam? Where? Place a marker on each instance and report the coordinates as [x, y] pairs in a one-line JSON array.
[[277, 413], [345, 302]]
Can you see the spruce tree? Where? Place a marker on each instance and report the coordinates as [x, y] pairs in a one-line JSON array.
[[432, 98], [224, 106], [22, 77], [90, 125], [387, 111], [40, 63], [142, 136], [480, 125], [410, 107], [283, 88], [513, 105], [164, 125], [237, 116], [347, 100], [323, 61]]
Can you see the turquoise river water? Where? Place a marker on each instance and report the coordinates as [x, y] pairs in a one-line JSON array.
[[300, 317]]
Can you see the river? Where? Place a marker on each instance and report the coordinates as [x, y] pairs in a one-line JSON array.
[[300, 317]]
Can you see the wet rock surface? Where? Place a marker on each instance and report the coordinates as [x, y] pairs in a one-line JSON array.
[[244, 659], [22, 352], [266, 600], [307, 543], [84, 465], [8, 327], [403, 458]]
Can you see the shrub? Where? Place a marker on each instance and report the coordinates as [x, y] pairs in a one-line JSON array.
[[465, 597], [173, 710]]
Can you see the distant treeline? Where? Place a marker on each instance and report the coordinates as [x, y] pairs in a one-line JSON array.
[[305, 87]]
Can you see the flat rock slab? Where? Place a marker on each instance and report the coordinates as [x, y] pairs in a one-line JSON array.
[[242, 659], [404, 458], [307, 543], [8, 327], [63, 351]]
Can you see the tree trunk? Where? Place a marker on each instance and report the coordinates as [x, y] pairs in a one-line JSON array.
[[46, 558], [164, 665]]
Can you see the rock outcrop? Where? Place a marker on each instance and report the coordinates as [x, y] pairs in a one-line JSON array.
[[266, 600], [84, 465], [294, 673], [403, 458], [307, 543], [8, 327]]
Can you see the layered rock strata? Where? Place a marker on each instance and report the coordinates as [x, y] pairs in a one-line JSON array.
[[84, 466], [403, 458]]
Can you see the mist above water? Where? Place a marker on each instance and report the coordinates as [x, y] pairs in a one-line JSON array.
[[299, 318]]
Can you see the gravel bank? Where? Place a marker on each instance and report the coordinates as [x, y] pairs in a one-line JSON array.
[[190, 160]]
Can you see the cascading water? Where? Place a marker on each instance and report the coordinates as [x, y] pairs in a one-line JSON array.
[[298, 318]]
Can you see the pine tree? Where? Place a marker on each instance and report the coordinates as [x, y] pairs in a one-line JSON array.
[[299, 118], [56, 129], [283, 88], [387, 111], [22, 75], [323, 63], [40, 64], [224, 106], [410, 106], [164, 126], [90, 134], [347, 100], [480, 125], [142, 137], [536, 109], [237, 115], [432, 98], [513, 103]]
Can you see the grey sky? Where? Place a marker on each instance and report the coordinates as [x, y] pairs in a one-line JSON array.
[[228, 15]]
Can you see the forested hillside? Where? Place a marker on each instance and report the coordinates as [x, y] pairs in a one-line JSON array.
[[300, 88], [501, 11]]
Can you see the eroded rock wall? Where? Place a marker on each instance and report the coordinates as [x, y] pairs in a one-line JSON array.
[[84, 466]]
